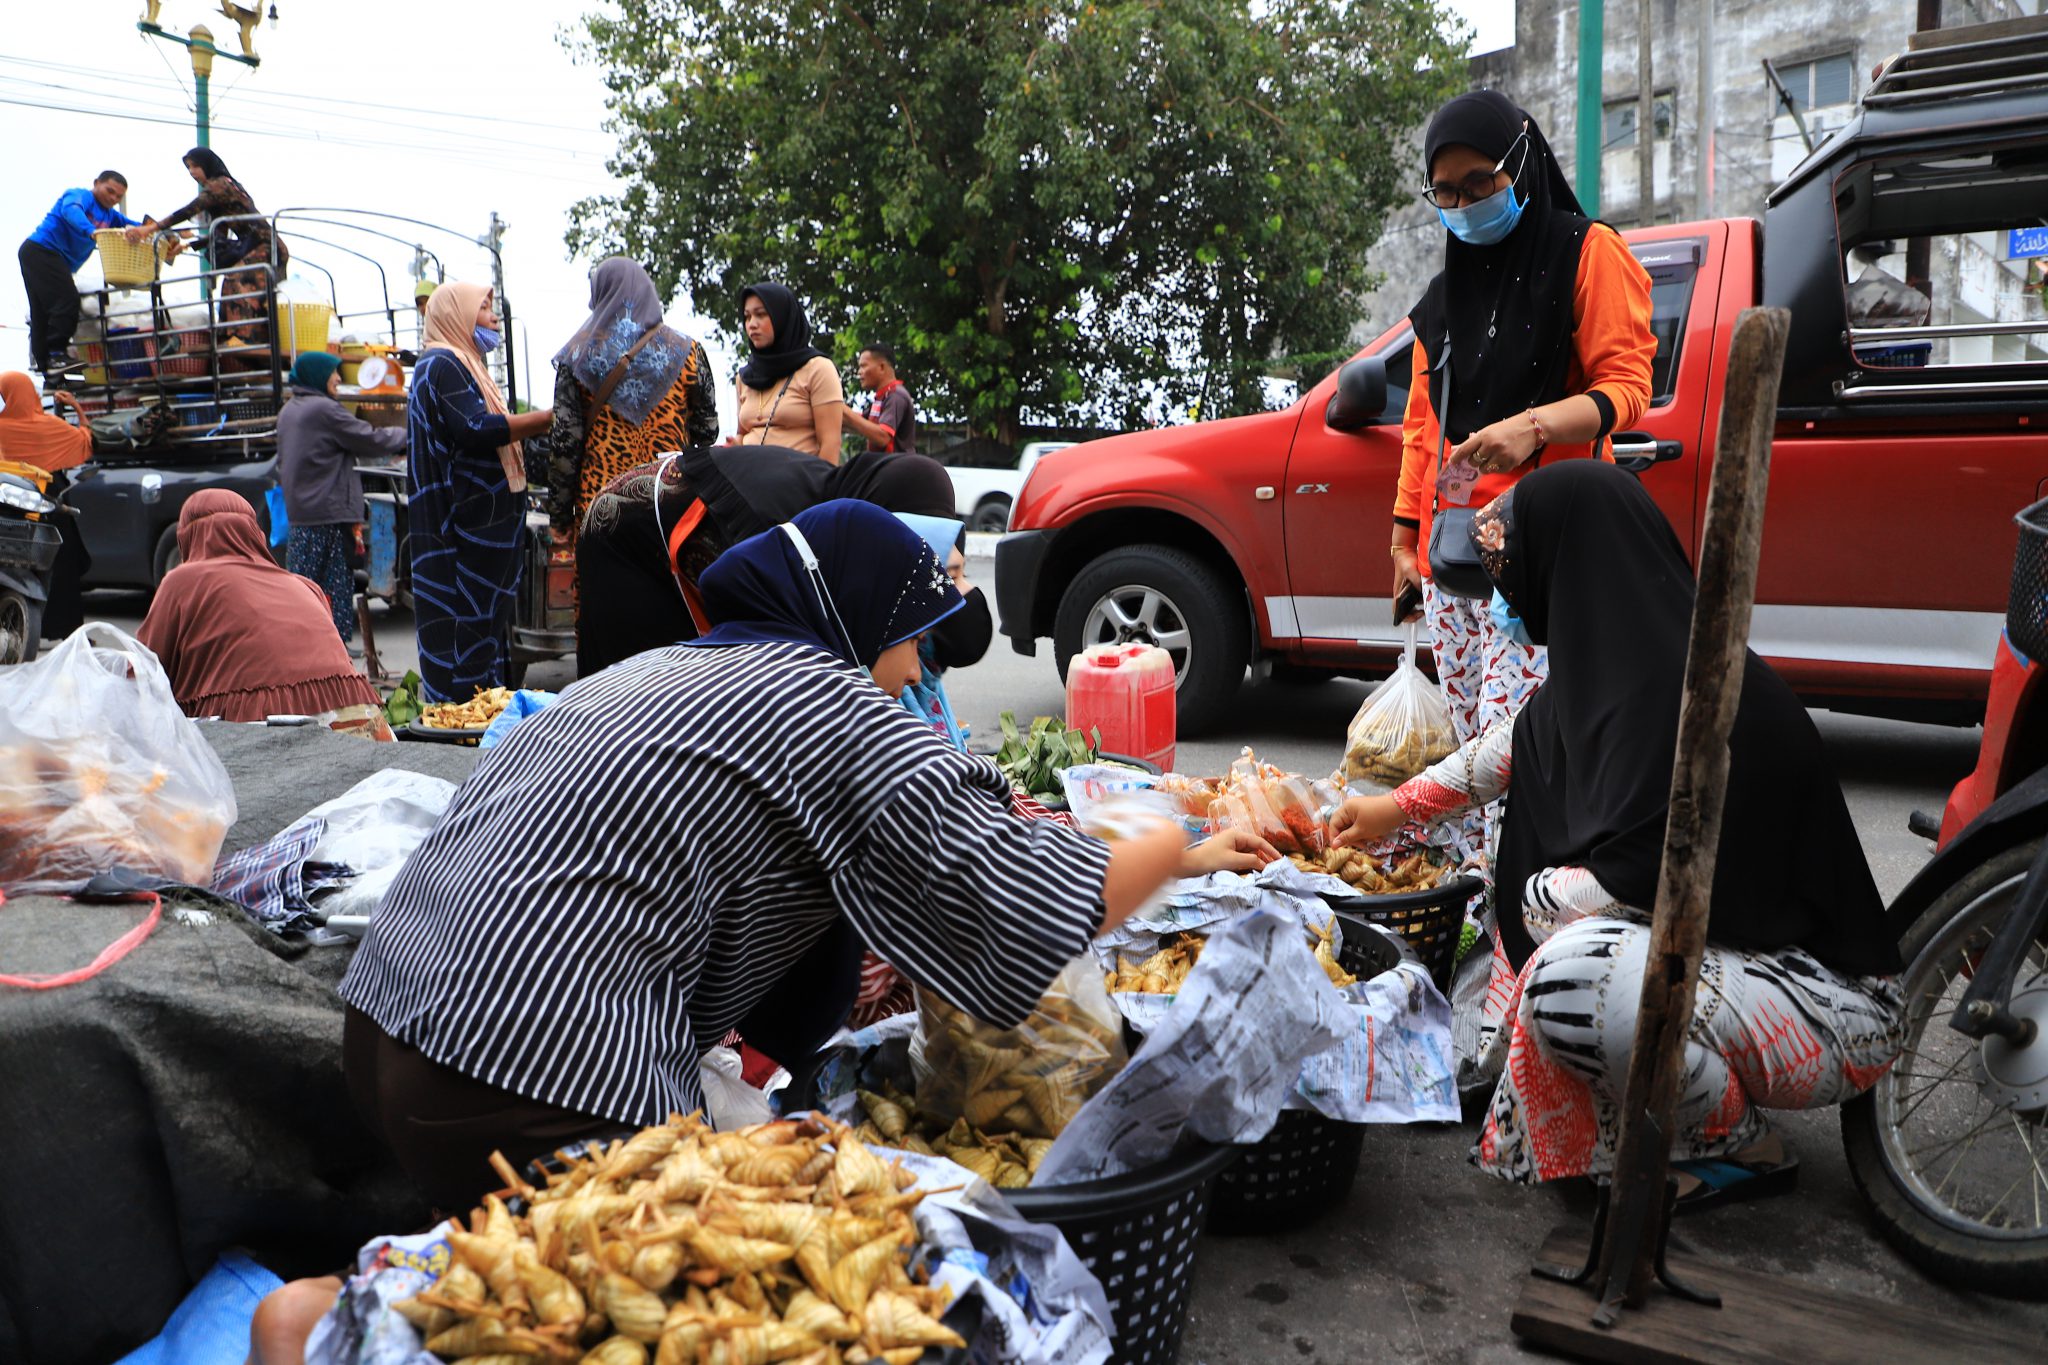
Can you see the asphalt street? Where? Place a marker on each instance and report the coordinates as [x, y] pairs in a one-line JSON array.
[[1425, 1258]]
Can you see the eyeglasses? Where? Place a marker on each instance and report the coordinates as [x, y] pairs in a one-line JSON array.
[[1478, 185]]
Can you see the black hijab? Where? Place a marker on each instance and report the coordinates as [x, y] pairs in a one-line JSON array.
[[1507, 308], [751, 488], [792, 348], [1594, 570], [209, 163]]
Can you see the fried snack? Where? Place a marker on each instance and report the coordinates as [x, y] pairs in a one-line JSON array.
[[1394, 874], [474, 714], [1163, 973], [669, 1247], [1031, 1079]]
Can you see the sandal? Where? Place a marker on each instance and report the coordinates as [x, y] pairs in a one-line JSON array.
[[1724, 1180]]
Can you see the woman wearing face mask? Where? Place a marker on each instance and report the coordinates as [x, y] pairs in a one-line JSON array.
[[959, 641], [1796, 1008], [468, 508], [1533, 346], [704, 838]]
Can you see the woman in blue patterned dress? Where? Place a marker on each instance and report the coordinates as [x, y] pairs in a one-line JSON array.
[[468, 507]]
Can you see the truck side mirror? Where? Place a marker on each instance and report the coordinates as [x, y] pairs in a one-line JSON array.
[[1361, 396]]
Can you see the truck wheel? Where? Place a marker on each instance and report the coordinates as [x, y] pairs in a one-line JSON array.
[[1970, 1224], [1158, 595], [991, 514], [21, 628], [166, 557]]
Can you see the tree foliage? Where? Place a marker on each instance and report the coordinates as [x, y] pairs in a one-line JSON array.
[[1050, 207]]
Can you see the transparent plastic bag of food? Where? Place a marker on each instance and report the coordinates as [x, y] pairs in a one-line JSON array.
[[100, 769], [1030, 1080], [1402, 728]]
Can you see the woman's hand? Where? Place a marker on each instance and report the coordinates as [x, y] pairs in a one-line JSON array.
[[1500, 446], [171, 252], [1234, 850], [1363, 819], [135, 233], [1407, 573]]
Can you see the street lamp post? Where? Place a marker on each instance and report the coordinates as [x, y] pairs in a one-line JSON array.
[[199, 42]]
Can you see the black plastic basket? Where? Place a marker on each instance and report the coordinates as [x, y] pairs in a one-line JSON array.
[[1430, 922], [29, 544], [1137, 1233], [1306, 1166], [2026, 606]]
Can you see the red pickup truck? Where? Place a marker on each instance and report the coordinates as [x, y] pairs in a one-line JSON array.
[[1901, 451]]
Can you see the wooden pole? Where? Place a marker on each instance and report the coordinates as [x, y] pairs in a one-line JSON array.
[[1699, 784]]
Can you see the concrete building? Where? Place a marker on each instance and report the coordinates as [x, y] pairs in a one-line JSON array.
[[1824, 52]]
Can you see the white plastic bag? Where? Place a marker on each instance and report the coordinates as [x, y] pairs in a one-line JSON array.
[[1400, 729], [100, 769], [729, 1102], [373, 827]]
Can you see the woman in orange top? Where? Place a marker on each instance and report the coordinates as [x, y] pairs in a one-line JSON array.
[[30, 436], [1540, 322]]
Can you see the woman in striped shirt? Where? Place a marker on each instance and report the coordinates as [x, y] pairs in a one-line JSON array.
[[702, 838]]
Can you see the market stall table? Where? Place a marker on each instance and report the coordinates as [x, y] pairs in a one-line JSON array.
[[189, 1098]]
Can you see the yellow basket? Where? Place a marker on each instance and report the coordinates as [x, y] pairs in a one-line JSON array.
[[309, 326], [124, 262]]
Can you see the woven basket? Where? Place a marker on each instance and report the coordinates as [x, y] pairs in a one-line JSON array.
[[125, 263]]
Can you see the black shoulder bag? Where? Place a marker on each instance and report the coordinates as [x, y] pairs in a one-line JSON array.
[[1454, 563]]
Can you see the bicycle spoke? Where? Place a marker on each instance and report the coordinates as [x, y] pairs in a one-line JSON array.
[[1956, 1165], [1932, 1086], [2040, 1177], [1941, 1149]]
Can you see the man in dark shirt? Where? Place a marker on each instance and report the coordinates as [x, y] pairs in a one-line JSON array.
[[889, 418], [52, 255]]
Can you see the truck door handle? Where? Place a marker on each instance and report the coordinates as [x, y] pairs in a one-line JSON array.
[[1636, 451]]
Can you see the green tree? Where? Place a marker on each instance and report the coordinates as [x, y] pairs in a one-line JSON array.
[[1052, 207]]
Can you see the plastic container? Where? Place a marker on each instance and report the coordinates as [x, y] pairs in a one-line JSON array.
[[129, 352], [307, 325], [1125, 692], [1137, 1233], [1906, 355], [1306, 1166], [1430, 922], [185, 354], [2026, 606], [124, 263]]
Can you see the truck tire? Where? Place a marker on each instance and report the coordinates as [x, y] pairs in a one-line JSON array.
[[1946, 1249], [21, 628], [1156, 594], [166, 557], [991, 514]]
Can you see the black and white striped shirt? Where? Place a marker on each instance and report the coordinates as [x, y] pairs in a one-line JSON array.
[[616, 885]]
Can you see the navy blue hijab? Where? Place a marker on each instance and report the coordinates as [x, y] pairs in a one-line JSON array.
[[881, 586]]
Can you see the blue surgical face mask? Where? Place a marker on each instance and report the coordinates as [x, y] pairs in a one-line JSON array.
[[1486, 222], [487, 338], [1506, 622]]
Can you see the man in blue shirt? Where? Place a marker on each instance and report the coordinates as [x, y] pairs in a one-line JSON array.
[[52, 255]]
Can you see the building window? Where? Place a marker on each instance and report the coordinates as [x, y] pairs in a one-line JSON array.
[[1821, 82], [1618, 121]]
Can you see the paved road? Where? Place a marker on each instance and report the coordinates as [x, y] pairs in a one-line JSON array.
[[1425, 1258]]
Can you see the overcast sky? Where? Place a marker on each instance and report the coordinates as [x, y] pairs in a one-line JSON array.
[[443, 111]]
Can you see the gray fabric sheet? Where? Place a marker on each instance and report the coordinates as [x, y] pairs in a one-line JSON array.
[[188, 1099]]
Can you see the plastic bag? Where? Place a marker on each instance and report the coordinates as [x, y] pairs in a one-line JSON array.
[[100, 769], [1402, 728], [1031, 1079], [729, 1102]]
